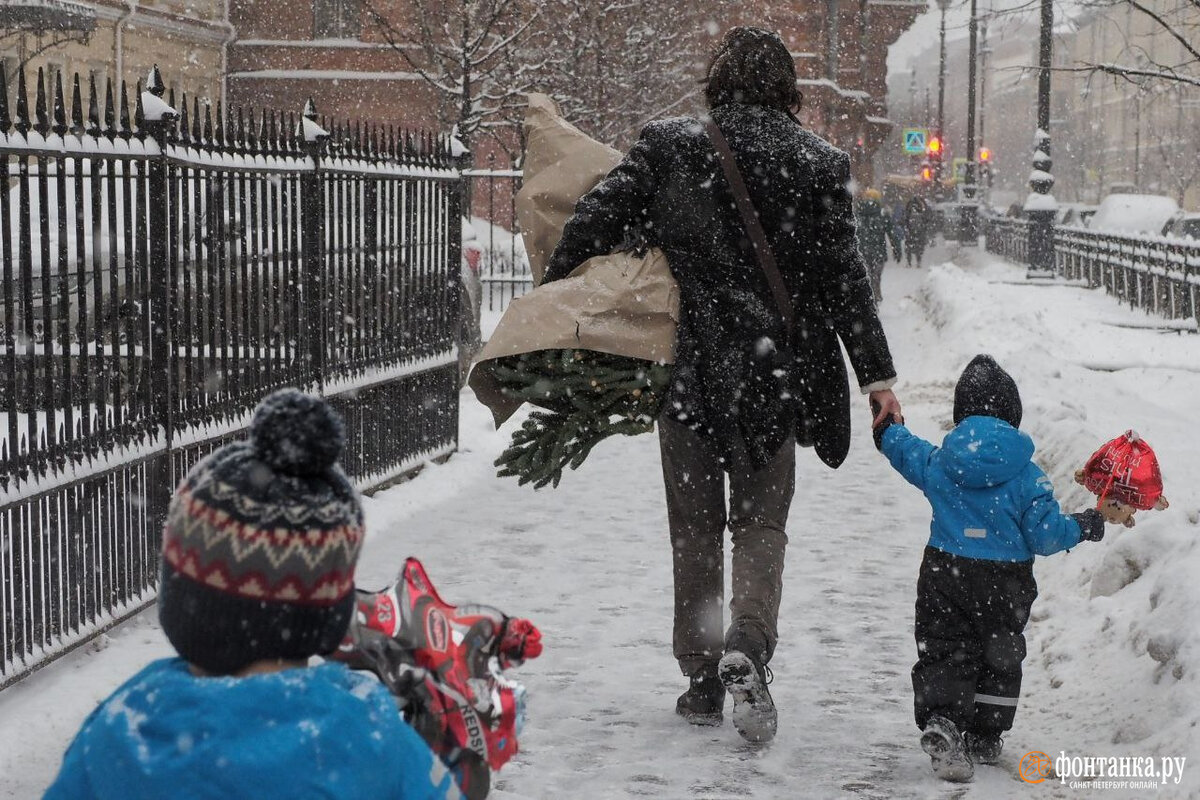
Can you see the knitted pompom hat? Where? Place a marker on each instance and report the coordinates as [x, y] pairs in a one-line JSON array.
[[261, 541]]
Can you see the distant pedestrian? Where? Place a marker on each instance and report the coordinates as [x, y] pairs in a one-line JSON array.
[[993, 511], [874, 231], [916, 225]]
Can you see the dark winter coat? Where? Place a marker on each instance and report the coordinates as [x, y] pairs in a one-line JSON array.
[[874, 231], [916, 221], [318, 732], [729, 381]]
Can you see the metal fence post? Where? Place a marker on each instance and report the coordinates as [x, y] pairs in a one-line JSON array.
[[312, 246], [159, 347]]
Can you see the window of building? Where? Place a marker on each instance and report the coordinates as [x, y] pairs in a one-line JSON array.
[[337, 19]]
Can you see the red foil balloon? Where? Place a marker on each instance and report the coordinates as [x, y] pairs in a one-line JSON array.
[[1125, 469]]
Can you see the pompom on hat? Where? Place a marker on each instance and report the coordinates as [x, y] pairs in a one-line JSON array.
[[261, 542]]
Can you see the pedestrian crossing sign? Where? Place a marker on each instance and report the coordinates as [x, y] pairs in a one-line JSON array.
[[915, 139]]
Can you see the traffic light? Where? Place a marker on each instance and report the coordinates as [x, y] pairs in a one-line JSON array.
[[935, 146], [926, 172], [985, 155]]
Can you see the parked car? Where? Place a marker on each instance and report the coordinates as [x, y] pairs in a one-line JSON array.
[[1184, 225], [1076, 214], [1134, 213]]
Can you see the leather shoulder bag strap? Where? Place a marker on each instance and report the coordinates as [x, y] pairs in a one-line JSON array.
[[754, 228]]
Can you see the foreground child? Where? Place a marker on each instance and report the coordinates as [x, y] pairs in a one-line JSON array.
[[993, 511], [259, 551]]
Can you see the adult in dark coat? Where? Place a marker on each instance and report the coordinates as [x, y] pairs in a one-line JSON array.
[[916, 224], [737, 403], [875, 230]]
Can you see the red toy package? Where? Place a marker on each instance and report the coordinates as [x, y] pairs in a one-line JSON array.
[[1124, 474]]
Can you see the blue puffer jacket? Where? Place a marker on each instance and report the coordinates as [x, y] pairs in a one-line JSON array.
[[324, 732], [990, 501]]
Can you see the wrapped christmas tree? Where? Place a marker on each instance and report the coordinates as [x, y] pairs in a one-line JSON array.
[[592, 351], [586, 397]]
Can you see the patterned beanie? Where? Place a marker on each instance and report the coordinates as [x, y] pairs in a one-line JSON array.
[[261, 541]]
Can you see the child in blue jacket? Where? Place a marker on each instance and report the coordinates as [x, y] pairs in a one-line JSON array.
[[259, 550], [993, 511]]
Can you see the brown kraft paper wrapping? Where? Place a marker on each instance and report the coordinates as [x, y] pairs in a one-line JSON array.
[[619, 304]]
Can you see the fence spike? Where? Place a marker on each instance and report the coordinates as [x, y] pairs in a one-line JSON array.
[[310, 110], [22, 125], [43, 116], [196, 120], [125, 131], [240, 131], [93, 115], [154, 82], [251, 132], [185, 131], [60, 107], [220, 131], [139, 113], [171, 98], [110, 110], [272, 134], [208, 124], [5, 122], [294, 136], [76, 107]]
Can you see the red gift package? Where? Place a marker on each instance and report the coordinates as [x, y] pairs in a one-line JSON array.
[[1126, 470]]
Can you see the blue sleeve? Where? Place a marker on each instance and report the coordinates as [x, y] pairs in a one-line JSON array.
[[909, 454], [72, 781], [1046, 529], [421, 775]]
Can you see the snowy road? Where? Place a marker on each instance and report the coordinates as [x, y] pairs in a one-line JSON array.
[[589, 562]]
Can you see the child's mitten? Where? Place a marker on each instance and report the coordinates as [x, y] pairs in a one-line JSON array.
[[1091, 525]]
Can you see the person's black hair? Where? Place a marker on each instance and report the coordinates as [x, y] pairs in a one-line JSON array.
[[752, 66]]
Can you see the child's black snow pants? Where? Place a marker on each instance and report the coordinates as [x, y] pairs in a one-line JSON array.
[[970, 618]]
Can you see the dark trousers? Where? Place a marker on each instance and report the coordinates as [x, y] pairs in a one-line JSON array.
[[914, 248], [694, 474], [971, 615]]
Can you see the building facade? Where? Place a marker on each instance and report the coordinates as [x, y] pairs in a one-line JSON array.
[[117, 39]]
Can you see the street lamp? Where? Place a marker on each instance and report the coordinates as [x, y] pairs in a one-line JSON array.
[[968, 218], [1041, 207], [941, 108]]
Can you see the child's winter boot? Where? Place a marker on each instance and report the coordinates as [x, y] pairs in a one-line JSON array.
[[947, 750], [984, 748]]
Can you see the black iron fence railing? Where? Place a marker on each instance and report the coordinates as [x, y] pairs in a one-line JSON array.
[[1155, 273], [503, 266], [161, 271]]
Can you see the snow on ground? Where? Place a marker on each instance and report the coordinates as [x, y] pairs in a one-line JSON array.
[[1113, 646]]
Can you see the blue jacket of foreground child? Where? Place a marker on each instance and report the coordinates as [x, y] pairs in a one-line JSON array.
[[990, 501], [321, 732]]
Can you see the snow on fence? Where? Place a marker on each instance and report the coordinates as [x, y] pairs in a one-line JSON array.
[[1156, 273], [160, 272]]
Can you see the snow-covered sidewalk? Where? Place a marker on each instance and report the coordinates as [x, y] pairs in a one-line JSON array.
[[1113, 646]]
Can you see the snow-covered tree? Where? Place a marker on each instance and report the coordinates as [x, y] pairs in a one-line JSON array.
[[1162, 41], [474, 53], [614, 66]]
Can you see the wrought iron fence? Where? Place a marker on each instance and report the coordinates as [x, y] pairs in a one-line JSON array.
[[1154, 273], [504, 271], [160, 272], [1007, 237]]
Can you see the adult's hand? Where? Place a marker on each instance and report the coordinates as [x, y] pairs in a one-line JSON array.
[[885, 404]]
